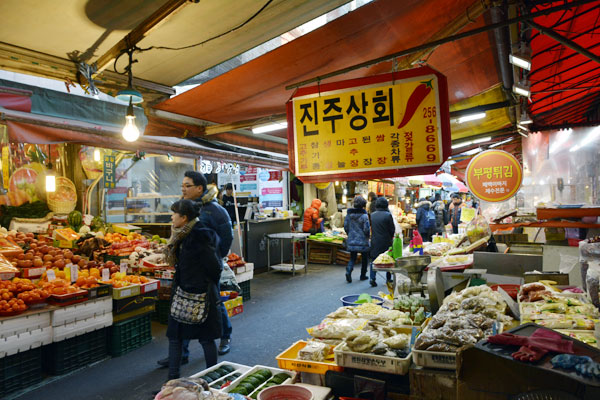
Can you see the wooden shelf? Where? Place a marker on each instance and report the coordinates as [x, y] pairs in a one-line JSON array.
[[557, 213]]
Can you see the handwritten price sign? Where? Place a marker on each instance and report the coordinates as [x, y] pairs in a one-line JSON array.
[[381, 126]]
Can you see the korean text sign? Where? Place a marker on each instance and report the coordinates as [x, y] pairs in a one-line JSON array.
[[109, 172], [494, 175], [386, 125]]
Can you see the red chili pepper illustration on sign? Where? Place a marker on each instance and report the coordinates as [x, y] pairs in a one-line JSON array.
[[415, 99]]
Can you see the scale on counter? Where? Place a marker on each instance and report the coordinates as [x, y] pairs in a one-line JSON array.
[[437, 283]]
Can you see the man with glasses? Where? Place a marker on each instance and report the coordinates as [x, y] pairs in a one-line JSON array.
[[194, 187]]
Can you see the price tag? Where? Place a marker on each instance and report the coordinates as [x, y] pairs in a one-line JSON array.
[[51, 275], [105, 274], [467, 214], [74, 272], [123, 268]]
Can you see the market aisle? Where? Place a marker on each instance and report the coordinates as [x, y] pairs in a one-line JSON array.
[[280, 309]]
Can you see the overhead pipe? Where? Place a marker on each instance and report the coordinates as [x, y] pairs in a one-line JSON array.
[[501, 35]]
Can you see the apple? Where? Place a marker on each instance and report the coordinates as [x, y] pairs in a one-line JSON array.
[[60, 264], [114, 269], [48, 257], [21, 263], [37, 262], [82, 264], [28, 256], [68, 254], [27, 263], [75, 259], [92, 264], [21, 256], [30, 235], [109, 264]]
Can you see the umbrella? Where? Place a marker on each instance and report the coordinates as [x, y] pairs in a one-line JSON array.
[[432, 180], [452, 184], [461, 187]]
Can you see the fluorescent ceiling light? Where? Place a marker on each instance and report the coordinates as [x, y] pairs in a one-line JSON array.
[[575, 148], [463, 144], [471, 152], [522, 89], [592, 136], [522, 127], [270, 127], [524, 134], [501, 143], [485, 139], [521, 60], [471, 117]]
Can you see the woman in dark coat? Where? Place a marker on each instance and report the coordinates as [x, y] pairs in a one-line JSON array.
[[193, 250], [358, 229], [382, 232]]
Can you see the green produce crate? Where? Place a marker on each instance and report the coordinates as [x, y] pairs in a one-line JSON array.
[[20, 370], [161, 312], [77, 352], [245, 286], [130, 335]]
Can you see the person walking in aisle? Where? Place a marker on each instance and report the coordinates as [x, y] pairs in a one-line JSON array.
[[425, 224], [195, 286], [357, 227], [371, 199], [229, 202], [454, 211], [383, 230], [194, 187], [439, 208]]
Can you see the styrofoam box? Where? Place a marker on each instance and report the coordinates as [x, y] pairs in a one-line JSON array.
[[82, 311], [77, 328], [26, 323], [246, 276], [434, 359], [239, 368], [371, 362], [25, 341], [274, 371]]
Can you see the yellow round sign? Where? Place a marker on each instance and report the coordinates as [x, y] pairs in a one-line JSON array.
[[322, 185]]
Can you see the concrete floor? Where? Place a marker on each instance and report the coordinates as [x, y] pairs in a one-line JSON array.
[[280, 310]]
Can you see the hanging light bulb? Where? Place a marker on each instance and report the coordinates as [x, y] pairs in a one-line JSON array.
[[344, 199], [97, 155], [337, 183], [130, 131], [50, 183]]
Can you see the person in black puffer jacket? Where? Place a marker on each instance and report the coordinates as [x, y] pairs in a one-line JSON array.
[[383, 230]]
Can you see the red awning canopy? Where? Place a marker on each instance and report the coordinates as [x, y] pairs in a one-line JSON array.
[[564, 83], [257, 88]]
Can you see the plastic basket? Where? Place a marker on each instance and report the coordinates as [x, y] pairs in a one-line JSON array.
[[64, 187], [130, 334], [350, 299], [74, 353], [161, 313], [289, 360], [20, 370], [245, 286]]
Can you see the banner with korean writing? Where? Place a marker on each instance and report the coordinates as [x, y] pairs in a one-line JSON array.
[[381, 126], [109, 172], [494, 175]]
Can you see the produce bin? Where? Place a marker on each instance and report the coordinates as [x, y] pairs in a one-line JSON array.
[[140, 311], [125, 292], [77, 352], [64, 300], [245, 286], [129, 304], [99, 291], [371, 362], [161, 313], [222, 379], [129, 335], [274, 371], [289, 360], [20, 371]]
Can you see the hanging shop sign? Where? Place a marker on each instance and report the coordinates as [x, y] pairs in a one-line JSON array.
[[381, 126], [109, 172], [494, 175], [217, 167]]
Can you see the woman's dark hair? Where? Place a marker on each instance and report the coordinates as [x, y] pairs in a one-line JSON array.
[[229, 186], [197, 177], [359, 202], [372, 196], [186, 208]]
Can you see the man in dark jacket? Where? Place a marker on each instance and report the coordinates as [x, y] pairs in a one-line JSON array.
[[423, 208], [382, 232], [212, 215], [439, 208], [454, 211]]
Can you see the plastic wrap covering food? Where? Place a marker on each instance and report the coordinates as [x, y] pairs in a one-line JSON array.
[[314, 351], [464, 318], [589, 251], [189, 389], [342, 312], [436, 249], [478, 229], [592, 281], [337, 328]]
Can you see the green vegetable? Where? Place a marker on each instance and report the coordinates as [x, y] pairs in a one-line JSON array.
[[37, 209]]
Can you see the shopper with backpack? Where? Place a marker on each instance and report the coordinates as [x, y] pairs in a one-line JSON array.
[[425, 219], [439, 208]]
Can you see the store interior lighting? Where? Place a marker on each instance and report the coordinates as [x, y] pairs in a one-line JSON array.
[[522, 89], [471, 117], [501, 143], [462, 144], [591, 137], [525, 118], [482, 140], [337, 183], [521, 59], [130, 132], [560, 139], [344, 199], [50, 183], [270, 127], [97, 155]]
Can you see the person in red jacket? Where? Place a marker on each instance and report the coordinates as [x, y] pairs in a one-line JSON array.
[[312, 222]]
